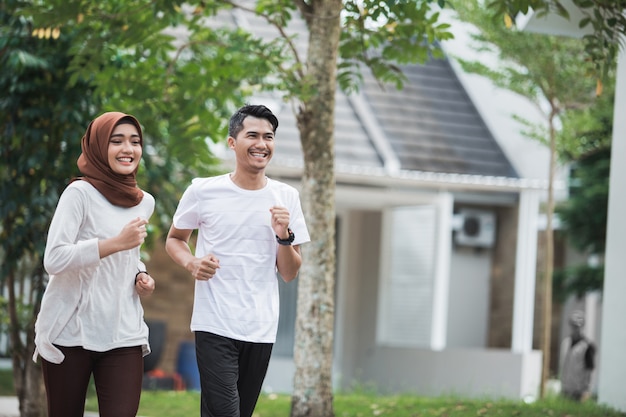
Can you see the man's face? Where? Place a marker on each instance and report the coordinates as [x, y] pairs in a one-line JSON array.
[[254, 145]]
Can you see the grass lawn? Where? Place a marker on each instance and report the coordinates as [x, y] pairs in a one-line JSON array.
[[6, 382], [187, 404], [176, 404]]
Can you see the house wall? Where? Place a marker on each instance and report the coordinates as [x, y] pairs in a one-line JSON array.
[[464, 367], [478, 373]]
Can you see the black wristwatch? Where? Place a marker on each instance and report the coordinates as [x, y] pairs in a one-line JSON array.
[[287, 241]]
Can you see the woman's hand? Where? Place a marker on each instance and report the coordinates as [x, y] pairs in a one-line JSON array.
[[144, 284], [131, 236]]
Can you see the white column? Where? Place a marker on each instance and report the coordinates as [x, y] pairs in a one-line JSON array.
[[612, 361], [525, 267], [441, 290]]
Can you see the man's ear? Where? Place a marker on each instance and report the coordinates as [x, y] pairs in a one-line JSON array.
[[231, 142]]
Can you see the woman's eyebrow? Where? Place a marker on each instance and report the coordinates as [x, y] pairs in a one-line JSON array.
[[121, 134]]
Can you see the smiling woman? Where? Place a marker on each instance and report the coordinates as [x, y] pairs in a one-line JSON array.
[[91, 319]]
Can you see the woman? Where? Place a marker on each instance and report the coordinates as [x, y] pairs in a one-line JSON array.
[[91, 318]]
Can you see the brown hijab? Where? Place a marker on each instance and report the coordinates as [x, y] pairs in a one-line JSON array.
[[93, 162]]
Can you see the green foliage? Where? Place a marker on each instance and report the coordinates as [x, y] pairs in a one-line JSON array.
[[577, 281], [43, 120], [550, 71], [5, 320], [381, 34], [588, 130], [584, 214], [606, 20]]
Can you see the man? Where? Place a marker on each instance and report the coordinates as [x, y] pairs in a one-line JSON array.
[[249, 228], [577, 360]]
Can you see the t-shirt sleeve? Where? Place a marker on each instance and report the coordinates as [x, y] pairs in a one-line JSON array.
[[187, 214]]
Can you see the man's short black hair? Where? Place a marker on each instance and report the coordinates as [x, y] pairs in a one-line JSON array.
[[259, 111]]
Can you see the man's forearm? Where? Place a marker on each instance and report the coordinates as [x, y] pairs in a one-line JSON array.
[[179, 251], [288, 262]]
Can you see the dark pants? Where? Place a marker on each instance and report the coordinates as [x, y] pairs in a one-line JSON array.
[[231, 374], [117, 375]]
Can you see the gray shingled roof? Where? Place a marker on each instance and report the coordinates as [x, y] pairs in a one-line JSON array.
[[432, 124]]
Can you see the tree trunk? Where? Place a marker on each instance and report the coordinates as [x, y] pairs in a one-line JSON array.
[[313, 390], [27, 377], [32, 398], [549, 266]]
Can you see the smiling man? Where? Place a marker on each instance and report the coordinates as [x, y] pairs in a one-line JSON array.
[[249, 228]]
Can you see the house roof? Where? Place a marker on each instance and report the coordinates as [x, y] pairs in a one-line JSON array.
[[433, 126], [430, 126]]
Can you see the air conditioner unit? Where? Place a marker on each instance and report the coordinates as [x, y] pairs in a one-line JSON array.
[[475, 228]]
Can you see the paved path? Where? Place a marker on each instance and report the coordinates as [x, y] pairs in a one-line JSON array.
[[9, 407]]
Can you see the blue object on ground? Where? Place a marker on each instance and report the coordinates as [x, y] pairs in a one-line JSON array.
[[187, 366]]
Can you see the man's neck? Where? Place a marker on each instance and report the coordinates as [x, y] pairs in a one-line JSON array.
[[249, 181]]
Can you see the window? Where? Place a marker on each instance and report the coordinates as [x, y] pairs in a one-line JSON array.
[[408, 263]]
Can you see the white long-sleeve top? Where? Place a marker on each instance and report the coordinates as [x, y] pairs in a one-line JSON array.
[[90, 302]]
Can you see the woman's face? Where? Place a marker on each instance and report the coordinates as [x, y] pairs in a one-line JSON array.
[[124, 149]]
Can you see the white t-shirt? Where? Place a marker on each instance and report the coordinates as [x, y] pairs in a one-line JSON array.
[[241, 300], [90, 302]]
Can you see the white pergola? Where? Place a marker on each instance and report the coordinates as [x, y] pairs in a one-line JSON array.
[[612, 365]]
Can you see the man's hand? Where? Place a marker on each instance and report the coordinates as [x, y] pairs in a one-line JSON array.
[[280, 221], [204, 268]]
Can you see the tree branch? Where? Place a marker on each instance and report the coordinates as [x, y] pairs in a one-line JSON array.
[[280, 30]]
